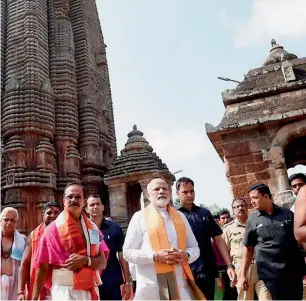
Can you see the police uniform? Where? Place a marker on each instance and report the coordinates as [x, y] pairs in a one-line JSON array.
[[279, 261], [233, 235]]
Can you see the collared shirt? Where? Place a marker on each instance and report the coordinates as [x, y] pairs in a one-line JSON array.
[[233, 234], [137, 249], [276, 250], [114, 239], [204, 227]]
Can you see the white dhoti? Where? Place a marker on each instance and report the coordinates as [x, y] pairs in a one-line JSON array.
[[9, 284], [62, 287]]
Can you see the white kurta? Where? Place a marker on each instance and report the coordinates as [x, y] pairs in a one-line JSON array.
[[137, 249]]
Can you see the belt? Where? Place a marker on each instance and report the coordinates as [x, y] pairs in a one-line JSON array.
[[62, 276]]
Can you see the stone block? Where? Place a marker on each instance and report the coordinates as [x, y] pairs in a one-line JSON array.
[[258, 157], [236, 170], [256, 167], [236, 149], [251, 178], [238, 180], [288, 71], [241, 159], [264, 175], [240, 190]]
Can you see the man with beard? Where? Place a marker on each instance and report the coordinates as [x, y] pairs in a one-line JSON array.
[[12, 247], [114, 238], [204, 229], [159, 241], [27, 273], [233, 235], [70, 253], [269, 232]]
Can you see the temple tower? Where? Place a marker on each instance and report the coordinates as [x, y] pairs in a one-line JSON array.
[[57, 121]]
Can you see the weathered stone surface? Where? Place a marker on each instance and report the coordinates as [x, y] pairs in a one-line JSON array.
[[263, 130], [57, 120], [130, 174]]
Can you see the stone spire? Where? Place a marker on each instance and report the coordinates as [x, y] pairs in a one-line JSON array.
[[137, 156], [278, 54], [57, 120]]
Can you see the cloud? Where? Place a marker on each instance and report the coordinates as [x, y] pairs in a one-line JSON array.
[[273, 19], [177, 146]]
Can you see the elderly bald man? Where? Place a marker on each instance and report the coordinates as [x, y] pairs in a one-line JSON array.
[[12, 247], [160, 242]]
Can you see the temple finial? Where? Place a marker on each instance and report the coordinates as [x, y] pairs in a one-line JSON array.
[[273, 42], [134, 127]]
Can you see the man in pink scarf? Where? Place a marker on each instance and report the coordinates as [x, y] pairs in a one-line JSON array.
[[71, 252]]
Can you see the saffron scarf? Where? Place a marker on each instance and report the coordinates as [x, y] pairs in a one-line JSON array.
[[73, 241], [36, 235], [158, 237]]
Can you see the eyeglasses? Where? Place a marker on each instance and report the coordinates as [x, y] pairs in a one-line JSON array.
[[71, 197], [239, 206]]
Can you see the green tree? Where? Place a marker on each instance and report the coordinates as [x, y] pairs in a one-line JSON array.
[[214, 209]]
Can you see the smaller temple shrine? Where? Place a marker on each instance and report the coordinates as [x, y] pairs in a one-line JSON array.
[[129, 176], [263, 130]]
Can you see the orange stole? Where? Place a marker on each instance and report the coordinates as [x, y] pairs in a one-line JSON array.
[[73, 242], [36, 235], [159, 240]]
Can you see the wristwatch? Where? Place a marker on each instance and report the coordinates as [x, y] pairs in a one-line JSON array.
[[129, 283], [231, 266], [188, 256], [88, 261]]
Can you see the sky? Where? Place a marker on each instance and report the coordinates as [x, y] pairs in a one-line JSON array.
[[164, 57]]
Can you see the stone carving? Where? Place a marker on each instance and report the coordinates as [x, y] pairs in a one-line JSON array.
[[54, 83]]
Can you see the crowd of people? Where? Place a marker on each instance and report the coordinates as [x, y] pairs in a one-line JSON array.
[[167, 253]]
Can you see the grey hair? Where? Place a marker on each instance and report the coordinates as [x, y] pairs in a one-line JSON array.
[[8, 209]]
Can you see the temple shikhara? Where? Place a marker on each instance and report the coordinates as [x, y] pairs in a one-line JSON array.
[[57, 120], [263, 131]]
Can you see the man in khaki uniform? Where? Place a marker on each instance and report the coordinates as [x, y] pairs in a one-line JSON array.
[[233, 234]]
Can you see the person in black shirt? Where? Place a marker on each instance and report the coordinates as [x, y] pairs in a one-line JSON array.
[[269, 232], [204, 228], [113, 236]]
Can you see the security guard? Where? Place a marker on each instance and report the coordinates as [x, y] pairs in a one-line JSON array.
[[269, 231], [233, 234]]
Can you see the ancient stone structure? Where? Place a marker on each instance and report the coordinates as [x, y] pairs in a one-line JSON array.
[[263, 131], [127, 180], [57, 116]]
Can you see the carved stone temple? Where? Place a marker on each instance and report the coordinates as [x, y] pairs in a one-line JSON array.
[[57, 122], [130, 174], [263, 131]]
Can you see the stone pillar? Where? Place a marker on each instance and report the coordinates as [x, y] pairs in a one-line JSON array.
[[143, 185], [285, 196], [117, 204]]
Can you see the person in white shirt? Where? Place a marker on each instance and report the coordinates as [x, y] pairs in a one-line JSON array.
[[160, 242]]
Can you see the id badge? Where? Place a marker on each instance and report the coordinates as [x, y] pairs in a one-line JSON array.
[[94, 236]]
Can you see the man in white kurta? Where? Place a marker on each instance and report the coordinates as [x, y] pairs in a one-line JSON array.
[[137, 247]]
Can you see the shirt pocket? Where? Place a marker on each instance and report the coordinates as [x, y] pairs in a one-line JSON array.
[[265, 233]]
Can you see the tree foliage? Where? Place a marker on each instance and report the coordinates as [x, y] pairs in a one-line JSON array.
[[214, 209]]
